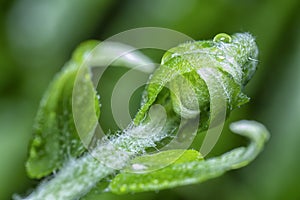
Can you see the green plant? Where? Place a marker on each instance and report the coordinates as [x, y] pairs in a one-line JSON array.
[[204, 77]]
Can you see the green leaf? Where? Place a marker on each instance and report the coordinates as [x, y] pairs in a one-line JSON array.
[[189, 169], [192, 76], [181, 71], [152, 162], [55, 138]]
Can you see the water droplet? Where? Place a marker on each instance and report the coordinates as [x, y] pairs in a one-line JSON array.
[[222, 37], [123, 188], [138, 167], [133, 187], [220, 57], [155, 181]]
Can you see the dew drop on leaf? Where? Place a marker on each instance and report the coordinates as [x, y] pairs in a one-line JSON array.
[[220, 57], [222, 37], [138, 167]]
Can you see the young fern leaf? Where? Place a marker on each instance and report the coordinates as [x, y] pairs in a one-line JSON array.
[[180, 85]]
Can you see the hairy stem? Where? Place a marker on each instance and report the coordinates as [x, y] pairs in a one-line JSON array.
[[78, 176], [75, 179]]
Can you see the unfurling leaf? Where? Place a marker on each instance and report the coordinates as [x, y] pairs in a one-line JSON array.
[[190, 168]]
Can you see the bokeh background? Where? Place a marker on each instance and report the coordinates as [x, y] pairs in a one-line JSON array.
[[37, 38]]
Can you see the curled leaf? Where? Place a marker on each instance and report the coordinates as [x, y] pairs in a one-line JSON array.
[[183, 68], [192, 78], [195, 170]]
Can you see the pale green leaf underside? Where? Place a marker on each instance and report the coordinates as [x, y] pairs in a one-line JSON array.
[[196, 170]]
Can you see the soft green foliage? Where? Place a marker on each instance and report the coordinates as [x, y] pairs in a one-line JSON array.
[[234, 60], [230, 59], [37, 37], [55, 136], [190, 167]]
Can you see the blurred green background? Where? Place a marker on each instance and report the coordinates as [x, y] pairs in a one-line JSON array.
[[37, 38]]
